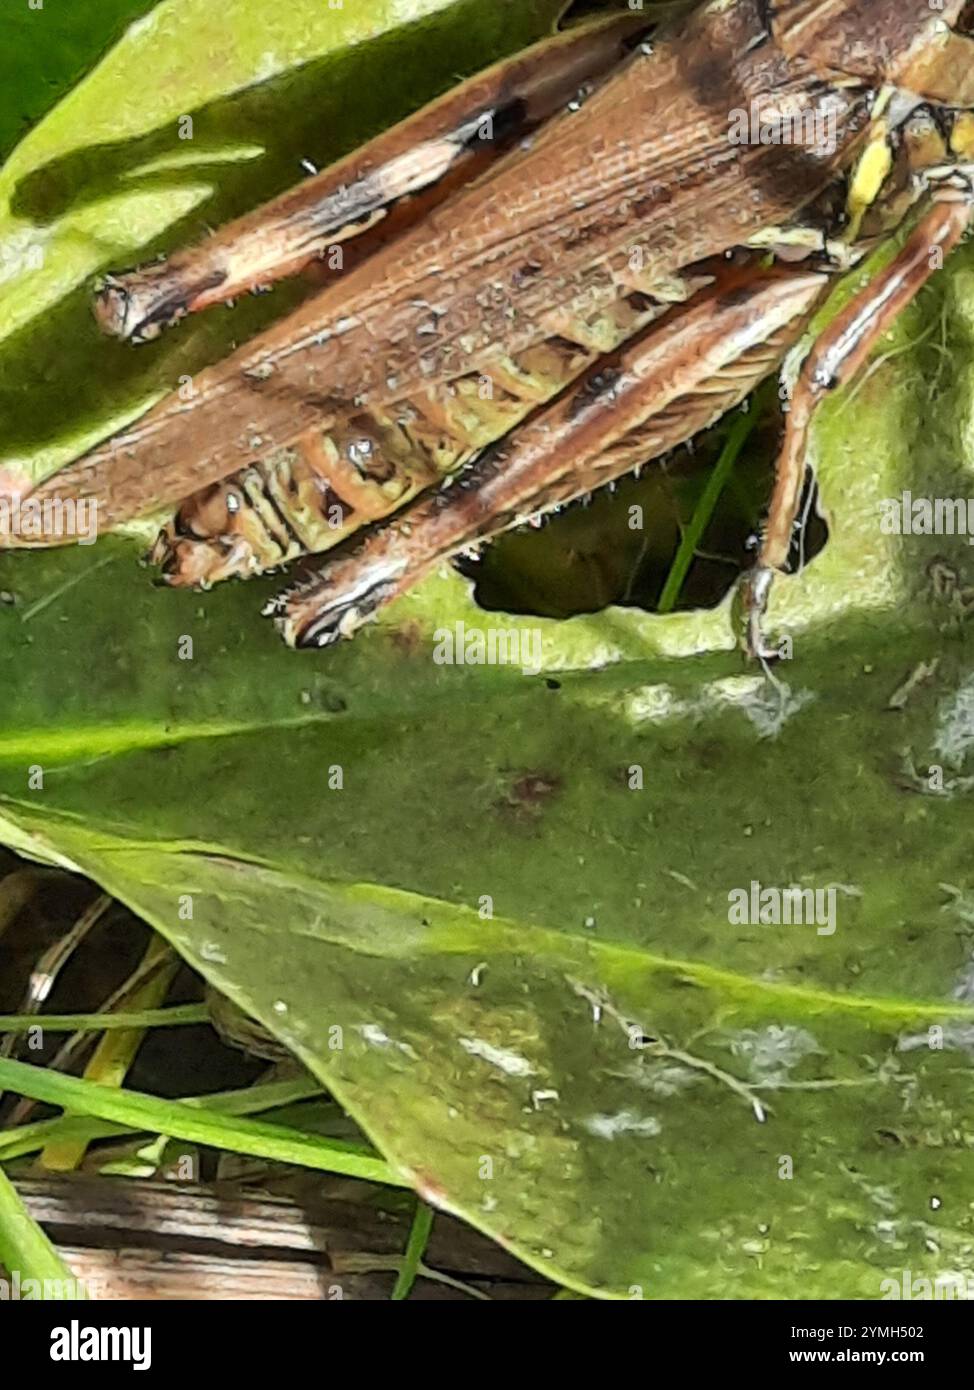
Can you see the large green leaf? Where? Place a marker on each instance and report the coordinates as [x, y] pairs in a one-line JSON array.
[[517, 972]]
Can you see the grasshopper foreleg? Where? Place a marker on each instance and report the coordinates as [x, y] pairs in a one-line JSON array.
[[673, 380], [833, 360]]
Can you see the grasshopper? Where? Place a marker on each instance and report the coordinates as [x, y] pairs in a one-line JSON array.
[[557, 272]]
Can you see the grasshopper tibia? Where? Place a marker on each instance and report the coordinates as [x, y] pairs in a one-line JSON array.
[[675, 379], [833, 360]]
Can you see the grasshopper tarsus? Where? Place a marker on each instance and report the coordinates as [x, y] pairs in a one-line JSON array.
[[756, 592]]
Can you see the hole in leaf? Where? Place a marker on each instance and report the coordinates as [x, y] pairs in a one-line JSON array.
[[676, 538]]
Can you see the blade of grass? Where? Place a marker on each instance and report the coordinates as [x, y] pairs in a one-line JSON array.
[[77, 1043], [419, 1235], [201, 1125], [171, 1017], [110, 1062], [26, 1252], [704, 510], [28, 1139]]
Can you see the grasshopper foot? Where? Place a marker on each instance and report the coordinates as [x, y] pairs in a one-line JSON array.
[[756, 591]]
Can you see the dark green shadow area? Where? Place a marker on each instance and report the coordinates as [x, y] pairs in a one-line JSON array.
[[44, 52]]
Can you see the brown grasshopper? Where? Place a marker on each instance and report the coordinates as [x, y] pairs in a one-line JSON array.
[[557, 272]]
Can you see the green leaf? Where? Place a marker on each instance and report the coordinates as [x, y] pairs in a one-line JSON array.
[[442, 887], [27, 1254]]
